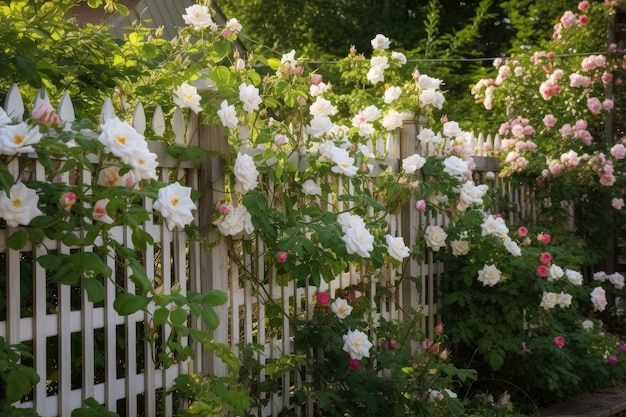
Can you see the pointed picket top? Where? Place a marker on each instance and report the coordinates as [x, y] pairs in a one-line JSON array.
[[489, 145], [480, 145], [496, 143], [41, 97], [66, 110], [13, 104], [139, 119], [192, 130], [178, 126], [108, 112], [158, 121]]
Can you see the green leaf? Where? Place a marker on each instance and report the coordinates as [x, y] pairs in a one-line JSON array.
[[95, 290], [6, 180], [67, 274], [215, 297], [139, 276], [52, 262], [160, 316], [274, 63], [141, 239], [178, 316], [127, 303], [18, 384], [210, 317], [17, 240]]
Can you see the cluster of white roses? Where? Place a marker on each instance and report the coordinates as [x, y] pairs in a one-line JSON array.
[[121, 143]]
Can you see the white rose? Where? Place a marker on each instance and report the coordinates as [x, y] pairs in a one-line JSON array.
[[564, 300], [228, 115], [548, 300], [426, 82], [175, 205], [341, 308], [319, 126], [380, 42], [322, 107], [237, 220], [617, 280], [249, 96], [186, 96], [20, 206], [359, 240], [246, 173], [494, 226], [198, 16], [512, 246], [399, 56], [356, 344], [18, 138], [392, 120], [575, 277], [460, 247], [472, 193], [555, 272], [371, 113], [489, 275], [451, 129], [455, 166], [311, 188], [413, 163], [598, 299], [348, 221], [435, 237], [396, 247], [392, 94]]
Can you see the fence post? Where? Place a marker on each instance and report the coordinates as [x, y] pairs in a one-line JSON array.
[[410, 218], [213, 266]]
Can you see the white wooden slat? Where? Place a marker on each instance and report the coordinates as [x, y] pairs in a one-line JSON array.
[[139, 119], [65, 345], [107, 112], [158, 121], [130, 353], [66, 110], [178, 126], [14, 104], [41, 97]]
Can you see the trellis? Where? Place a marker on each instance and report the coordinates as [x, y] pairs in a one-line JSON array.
[[115, 363]]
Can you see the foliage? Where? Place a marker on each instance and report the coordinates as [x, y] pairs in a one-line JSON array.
[[16, 379], [405, 373]]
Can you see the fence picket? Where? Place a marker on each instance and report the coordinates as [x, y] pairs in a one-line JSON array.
[[14, 104]]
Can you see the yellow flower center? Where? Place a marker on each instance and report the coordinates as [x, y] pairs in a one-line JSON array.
[[18, 139], [357, 343], [121, 140], [17, 202], [174, 201]]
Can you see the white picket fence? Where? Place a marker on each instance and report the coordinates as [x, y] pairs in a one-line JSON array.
[[91, 351]]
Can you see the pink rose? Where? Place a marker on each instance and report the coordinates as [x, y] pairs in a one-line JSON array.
[[224, 209], [583, 5], [545, 258], [617, 203], [323, 299], [559, 341], [281, 257], [522, 231], [618, 151], [67, 200], [612, 359], [439, 328], [354, 364], [420, 205], [583, 20], [544, 238], [543, 271]]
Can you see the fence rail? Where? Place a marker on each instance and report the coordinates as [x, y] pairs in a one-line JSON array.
[[83, 350]]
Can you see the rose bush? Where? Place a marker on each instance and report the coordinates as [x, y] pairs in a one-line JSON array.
[[310, 189]]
